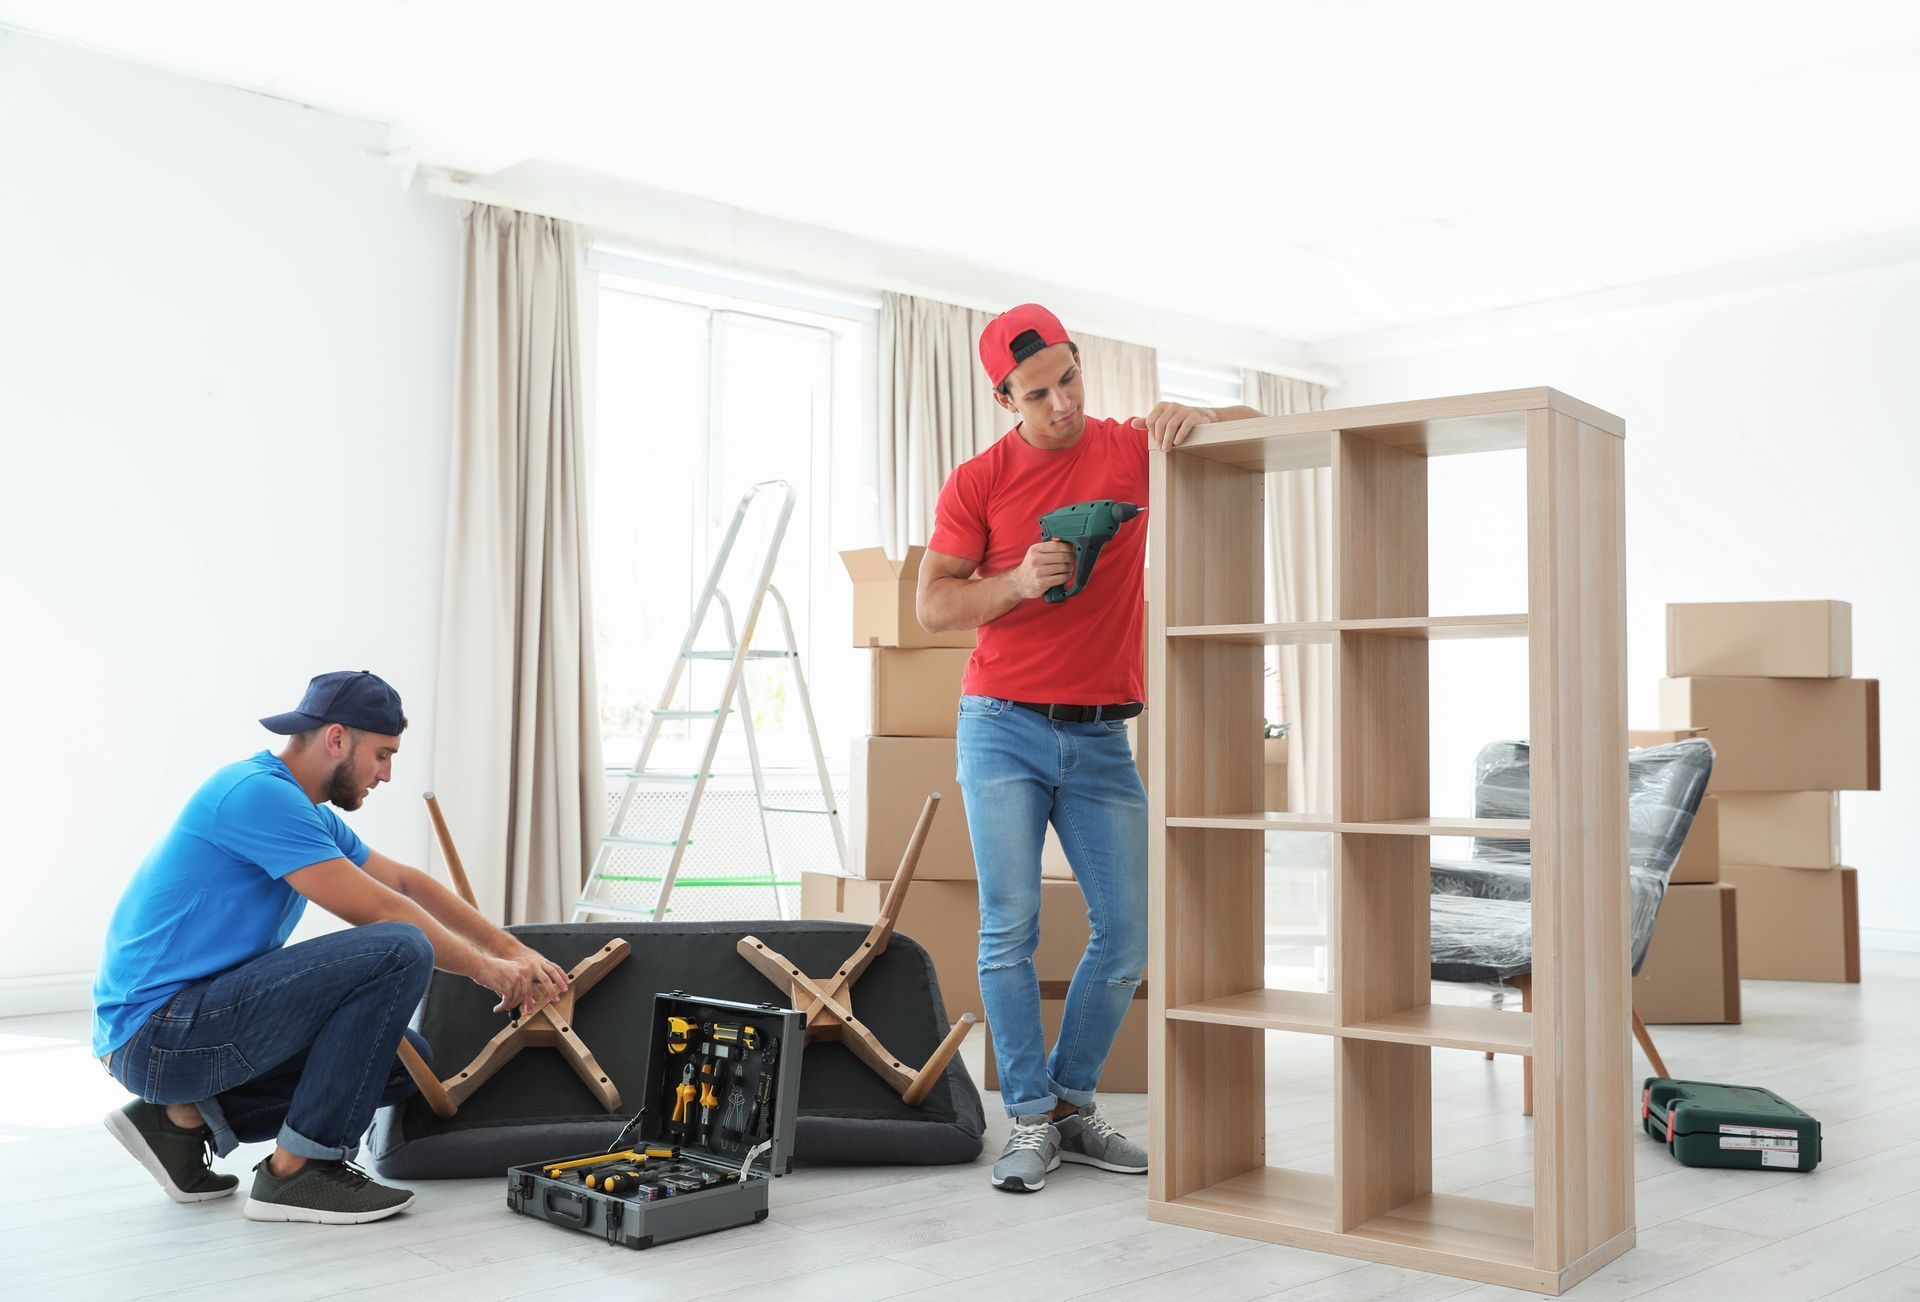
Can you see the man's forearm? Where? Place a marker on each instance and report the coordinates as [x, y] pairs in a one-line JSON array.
[[456, 914], [451, 952], [968, 603]]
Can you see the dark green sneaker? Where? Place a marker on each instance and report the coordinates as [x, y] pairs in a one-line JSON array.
[[177, 1157], [323, 1193]]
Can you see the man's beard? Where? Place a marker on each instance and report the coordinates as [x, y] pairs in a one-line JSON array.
[[342, 790]]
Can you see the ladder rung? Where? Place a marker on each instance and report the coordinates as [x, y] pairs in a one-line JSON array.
[[585, 905], [641, 840], [728, 655], [698, 881], [652, 775], [688, 714], [793, 809]]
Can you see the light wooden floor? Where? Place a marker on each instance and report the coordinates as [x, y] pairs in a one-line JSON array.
[[78, 1220]]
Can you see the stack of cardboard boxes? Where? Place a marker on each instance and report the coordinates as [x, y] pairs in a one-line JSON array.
[[1769, 684], [916, 681]]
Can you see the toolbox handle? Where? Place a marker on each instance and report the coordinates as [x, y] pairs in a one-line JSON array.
[[576, 1217]]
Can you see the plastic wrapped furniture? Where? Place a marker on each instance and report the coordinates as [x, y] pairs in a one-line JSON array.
[[1482, 912]]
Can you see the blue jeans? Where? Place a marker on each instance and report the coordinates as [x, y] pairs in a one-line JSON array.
[[299, 1045], [1019, 771]]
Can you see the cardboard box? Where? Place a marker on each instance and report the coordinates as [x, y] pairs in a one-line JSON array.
[[916, 693], [890, 780], [1640, 738], [1760, 639], [883, 601], [1797, 925], [1789, 829], [1276, 773], [945, 918], [1692, 972], [1782, 734], [1699, 861], [1125, 1071]]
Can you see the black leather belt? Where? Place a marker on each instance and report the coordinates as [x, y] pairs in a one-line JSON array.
[[1083, 713]]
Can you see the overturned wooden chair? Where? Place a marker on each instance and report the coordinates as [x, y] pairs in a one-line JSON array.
[[549, 1025], [828, 1001]]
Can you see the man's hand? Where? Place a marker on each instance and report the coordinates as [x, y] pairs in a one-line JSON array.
[[521, 981], [1169, 423], [1048, 564]]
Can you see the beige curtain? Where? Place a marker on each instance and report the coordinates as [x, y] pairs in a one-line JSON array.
[[1123, 380], [1300, 574], [935, 409], [516, 758]]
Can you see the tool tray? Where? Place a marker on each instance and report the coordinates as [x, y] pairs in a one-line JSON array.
[[752, 1048], [1739, 1126]]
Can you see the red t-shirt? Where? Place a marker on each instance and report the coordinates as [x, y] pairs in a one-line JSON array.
[[1090, 648]]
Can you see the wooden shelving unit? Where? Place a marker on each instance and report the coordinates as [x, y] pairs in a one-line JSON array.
[[1209, 1004]]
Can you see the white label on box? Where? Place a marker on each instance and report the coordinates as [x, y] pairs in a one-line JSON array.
[[1760, 1141], [1779, 1157], [1771, 1131]]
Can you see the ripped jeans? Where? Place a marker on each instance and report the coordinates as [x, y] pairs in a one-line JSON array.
[[1019, 771]]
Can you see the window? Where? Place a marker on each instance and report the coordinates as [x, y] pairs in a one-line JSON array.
[[702, 388], [1197, 385]]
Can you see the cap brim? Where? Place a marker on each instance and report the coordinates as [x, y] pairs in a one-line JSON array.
[[289, 723]]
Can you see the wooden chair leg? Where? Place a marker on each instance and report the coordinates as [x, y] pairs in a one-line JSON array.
[[1646, 1042], [429, 1084], [1526, 1063]]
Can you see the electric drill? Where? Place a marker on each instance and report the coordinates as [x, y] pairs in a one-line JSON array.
[[1088, 526]]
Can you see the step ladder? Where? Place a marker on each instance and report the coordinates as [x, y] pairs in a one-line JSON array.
[[737, 650]]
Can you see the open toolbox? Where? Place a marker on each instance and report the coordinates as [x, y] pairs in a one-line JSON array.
[[1739, 1126], [715, 1125]]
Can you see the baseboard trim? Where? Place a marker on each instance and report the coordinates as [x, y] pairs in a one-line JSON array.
[[1898, 939], [60, 992]]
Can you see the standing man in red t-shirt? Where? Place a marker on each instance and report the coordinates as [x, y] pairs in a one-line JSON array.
[[1042, 735]]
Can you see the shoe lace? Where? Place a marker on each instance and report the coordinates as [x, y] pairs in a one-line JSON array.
[[348, 1174], [1032, 1136], [1097, 1122]]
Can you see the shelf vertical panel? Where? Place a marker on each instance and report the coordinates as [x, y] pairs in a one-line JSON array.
[[1380, 530], [1206, 1106], [1581, 937], [1383, 931], [1383, 1128]]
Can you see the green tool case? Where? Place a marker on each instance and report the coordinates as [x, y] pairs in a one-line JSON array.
[[1739, 1126]]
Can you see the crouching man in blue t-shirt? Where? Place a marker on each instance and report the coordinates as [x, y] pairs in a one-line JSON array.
[[228, 1035]]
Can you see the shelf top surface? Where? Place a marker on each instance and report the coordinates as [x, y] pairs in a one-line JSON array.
[[1517, 829], [1471, 422], [1433, 628]]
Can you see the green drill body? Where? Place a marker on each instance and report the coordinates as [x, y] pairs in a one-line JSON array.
[[1088, 526]]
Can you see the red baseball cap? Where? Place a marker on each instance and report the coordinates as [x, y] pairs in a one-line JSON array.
[[1014, 336]]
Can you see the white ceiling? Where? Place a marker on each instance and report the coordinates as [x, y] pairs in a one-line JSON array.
[[1310, 168]]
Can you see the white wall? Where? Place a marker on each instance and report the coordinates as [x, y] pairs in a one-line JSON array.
[[225, 398], [1773, 452]]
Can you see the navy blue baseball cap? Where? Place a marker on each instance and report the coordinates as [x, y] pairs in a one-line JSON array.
[[359, 700]]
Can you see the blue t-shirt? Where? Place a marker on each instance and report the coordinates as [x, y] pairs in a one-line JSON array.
[[210, 895]]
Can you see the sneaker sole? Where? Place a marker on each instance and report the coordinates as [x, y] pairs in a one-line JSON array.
[[136, 1145], [1104, 1166], [263, 1211], [1014, 1184]]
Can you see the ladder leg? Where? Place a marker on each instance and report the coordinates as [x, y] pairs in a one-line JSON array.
[[813, 735], [759, 793]]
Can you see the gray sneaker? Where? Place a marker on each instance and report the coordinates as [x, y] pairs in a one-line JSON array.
[[1032, 1150], [173, 1155], [1089, 1137], [323, 1193]]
